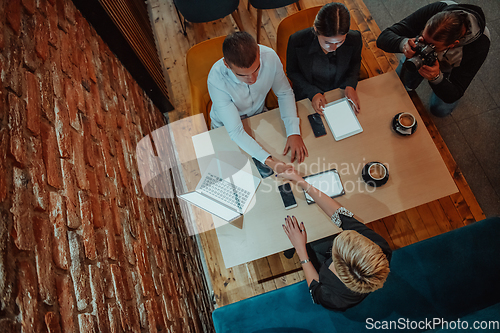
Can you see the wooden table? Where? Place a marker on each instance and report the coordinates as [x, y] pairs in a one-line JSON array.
[[417, 172]]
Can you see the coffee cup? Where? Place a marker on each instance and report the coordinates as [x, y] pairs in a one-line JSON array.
[[377, 171], [406, 120], [375, 174]]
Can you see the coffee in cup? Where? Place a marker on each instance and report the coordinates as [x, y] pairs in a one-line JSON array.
[[406, 120], [377, 171]]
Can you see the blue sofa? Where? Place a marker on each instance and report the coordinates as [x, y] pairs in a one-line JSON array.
[[453, 278]]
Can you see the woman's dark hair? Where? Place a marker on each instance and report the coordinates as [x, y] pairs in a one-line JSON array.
[[446, 27], [333, 19], [240, 49]]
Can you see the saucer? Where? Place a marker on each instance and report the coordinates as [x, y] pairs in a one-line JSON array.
[[374, 182], [397, 129]]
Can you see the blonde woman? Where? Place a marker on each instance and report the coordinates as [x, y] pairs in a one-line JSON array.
[[340, 274]]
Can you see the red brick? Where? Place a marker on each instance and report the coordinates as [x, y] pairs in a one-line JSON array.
[[89, 60], [30, 6], [16, 123], [101, 175], [52, 20], [72, 217], [127, 237], [98, 302], [31, 61], [79, 30], [32, 103], [61, 16], [69, 13], [78, 160], [56, 74], [14, 76], [58, 220], [13, 14], [62, 128], [43, 255], [3, 164], [38, 175], [2, 40], [87, 225], [50, 155], [88, 143], [69, 93], [121, 164], [65, 52], [90, 113], [96, 98], [80, 98], [105, 151], [125, 269], [144, 276], [23, 228], [117, 226], [133, 318], [87, 323], [114, 318], [27, 298], [120, 296], [46, 93], [102, 258], [52, 322], [155, 319], [41, 37], [79, 271], [66, 301], [42, 7], [109, 229]]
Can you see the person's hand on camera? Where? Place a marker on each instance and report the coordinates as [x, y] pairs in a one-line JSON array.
[[296, 233], [409, 48], [430, 73], [318, 103]]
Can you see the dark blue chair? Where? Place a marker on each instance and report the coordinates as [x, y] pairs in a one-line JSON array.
[[201, 11], [268, 4]]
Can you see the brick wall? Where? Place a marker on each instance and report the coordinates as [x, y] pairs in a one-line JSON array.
[[82, 249]]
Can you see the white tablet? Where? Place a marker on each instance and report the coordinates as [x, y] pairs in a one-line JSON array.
[[327, 182]]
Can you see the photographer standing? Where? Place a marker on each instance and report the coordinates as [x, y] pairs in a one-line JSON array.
[[445, 44]]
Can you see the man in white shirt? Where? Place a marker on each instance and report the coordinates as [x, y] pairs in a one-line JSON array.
[[238, 85]]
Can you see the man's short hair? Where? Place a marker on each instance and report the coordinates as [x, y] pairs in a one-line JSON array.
[[333, 19], [447, 26], [360, 263], [240, 49]]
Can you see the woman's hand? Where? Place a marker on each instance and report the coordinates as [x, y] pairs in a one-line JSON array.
[[318, 103], [290, 174], [296, 233], [351, 94]]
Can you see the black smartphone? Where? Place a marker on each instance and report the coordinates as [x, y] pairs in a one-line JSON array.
[[264, 170], [287, 196], [317, 124]]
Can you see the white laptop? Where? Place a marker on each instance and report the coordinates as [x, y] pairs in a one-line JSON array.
[[341, 119], [223, 190]]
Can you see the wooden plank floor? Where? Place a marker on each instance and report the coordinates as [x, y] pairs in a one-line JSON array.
[[273, 272]]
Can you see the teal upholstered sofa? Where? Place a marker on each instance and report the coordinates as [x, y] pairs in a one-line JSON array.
[[453, 277]]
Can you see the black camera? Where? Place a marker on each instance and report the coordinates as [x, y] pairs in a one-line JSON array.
[[425, 54]]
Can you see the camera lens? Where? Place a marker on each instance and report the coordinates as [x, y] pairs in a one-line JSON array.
[[413, 64]]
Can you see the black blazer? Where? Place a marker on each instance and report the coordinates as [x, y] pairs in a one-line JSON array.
[[299, 62]]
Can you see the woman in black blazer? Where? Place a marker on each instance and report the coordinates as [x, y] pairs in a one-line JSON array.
[[325, 57]]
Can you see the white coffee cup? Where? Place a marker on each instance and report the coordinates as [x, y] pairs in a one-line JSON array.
[[406, 120]]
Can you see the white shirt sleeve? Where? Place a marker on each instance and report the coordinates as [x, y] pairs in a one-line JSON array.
[[286, 99], [228, 114]]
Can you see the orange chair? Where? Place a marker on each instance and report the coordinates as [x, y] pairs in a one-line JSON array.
[[302, 20], [199, 60]]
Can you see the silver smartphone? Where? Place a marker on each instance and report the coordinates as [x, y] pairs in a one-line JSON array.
[[287, 196]]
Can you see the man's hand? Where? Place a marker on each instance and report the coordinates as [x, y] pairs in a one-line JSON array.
[[318, 103], [408, 48], [298, 148], [351, 94], [430, 72]]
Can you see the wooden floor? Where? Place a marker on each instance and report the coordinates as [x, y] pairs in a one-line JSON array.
[[243, 281]]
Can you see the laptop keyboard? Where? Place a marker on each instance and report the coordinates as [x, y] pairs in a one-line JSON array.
[[224, 191]]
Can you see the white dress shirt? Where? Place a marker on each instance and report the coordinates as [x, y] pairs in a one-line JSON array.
[[232, 99]]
